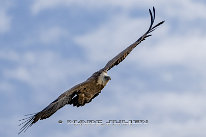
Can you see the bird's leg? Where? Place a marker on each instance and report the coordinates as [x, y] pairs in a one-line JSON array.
[[84, 97], [81, 98]]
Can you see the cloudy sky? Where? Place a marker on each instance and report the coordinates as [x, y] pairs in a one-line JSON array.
[[48, 46]]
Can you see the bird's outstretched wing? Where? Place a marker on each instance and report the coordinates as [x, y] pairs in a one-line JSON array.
[[68, 97], [122, 55]]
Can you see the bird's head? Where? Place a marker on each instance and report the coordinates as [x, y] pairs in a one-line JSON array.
[[103, 78]]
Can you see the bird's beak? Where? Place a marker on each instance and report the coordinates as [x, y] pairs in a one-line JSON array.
[[108, 77]]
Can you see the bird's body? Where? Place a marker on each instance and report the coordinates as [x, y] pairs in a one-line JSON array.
[[84, 92]]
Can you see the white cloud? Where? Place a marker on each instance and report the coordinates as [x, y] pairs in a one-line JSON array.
[[170, 50], [40, 5], [46, 35], [44, 4], [9, 55], [183, 10], [5, 18], [163, 49], [5, 22], [45, 70], [112, 37], [6, 88], [37, 67], [51, 35]]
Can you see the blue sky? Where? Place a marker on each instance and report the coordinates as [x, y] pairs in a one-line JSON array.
[[48, 46]]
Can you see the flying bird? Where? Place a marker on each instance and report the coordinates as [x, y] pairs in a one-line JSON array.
[[84, 92]]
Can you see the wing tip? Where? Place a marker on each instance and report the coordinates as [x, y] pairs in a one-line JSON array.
[[28, 122], [151, 27]]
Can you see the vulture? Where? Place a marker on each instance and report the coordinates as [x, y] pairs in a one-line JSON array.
[[84, 92]]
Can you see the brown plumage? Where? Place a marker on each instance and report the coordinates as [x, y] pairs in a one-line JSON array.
[[84, 92]]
